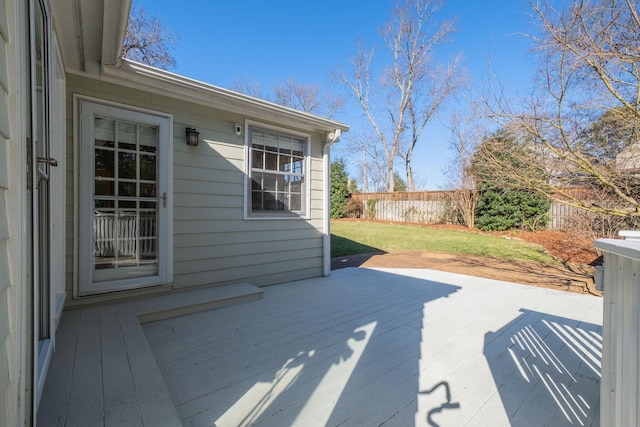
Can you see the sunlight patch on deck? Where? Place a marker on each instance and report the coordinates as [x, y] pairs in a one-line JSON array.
[[263, 394], [260, 397], [335, 380]]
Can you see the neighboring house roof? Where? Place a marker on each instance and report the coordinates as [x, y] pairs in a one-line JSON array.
[[91, 34]]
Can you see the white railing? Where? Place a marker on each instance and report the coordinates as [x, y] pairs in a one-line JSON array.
[[619, 390], [131, 235]]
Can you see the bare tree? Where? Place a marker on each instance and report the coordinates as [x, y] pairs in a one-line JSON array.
[[359, 83], [583, 117], [148, 41], [372, 167], [412, 88], [411, 36], [248, 88], [307, 97], [310, 98], [465, 136]]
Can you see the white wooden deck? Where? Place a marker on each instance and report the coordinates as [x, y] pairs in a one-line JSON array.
[[380, 347]]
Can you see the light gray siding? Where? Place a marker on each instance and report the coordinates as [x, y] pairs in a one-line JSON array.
[[213, 243], [7, 342], [5, 280]]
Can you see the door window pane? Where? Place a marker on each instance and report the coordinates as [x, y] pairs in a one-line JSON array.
[[103, 204], [148, 138], [127, 204], [147, 167], [127, 165], [104, 164], [127, 189], [105, 132], [147, 190], [126, 136], [103, 188]]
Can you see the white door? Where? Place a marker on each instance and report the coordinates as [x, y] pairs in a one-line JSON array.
[[45, 180], [124, 199]]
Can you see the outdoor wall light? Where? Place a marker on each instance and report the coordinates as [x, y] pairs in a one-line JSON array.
[[238, 128], [192, 136]]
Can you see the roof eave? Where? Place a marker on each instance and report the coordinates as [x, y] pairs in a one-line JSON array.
[[114, 29], [90, 33], [155, 80]]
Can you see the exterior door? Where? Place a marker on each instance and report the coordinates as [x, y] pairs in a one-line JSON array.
[[41, 184], [125, 199]]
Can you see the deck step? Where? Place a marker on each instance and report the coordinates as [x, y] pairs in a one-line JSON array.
[[188, 302]]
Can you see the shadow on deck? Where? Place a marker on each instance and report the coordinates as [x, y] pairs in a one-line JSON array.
[[552, 360]]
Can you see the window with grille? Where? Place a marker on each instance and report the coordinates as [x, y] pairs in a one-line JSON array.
[[277, 172]]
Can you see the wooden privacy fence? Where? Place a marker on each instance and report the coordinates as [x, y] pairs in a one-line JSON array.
[[427, 207], [561, 216], [436, 207]]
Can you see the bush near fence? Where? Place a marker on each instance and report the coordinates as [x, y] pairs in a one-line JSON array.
[[435, 207]]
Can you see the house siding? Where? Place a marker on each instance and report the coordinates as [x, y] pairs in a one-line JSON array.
[[213, 243], [13, 400], [5, 284], [5, 280]]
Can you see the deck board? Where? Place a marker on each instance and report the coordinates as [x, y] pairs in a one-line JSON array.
[[153, 397], [121, 406], [85, 406], [53, 406]]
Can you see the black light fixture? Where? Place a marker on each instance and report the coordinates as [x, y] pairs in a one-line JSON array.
[[192, 136]]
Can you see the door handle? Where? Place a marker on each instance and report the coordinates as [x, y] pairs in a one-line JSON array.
[[48, 160]]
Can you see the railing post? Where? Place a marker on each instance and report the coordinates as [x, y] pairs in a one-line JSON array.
[[619, 393]]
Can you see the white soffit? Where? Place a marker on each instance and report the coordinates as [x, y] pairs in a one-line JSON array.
[[90, 32]]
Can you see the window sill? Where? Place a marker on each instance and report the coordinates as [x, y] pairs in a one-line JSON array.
[[276, 216]]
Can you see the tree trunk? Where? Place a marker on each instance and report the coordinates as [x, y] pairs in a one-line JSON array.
[[410, 183]]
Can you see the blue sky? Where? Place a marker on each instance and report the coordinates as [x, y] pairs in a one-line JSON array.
[[265, 42]]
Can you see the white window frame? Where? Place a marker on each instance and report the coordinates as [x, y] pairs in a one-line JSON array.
[[85, 107], [305, 213], [59, 204]]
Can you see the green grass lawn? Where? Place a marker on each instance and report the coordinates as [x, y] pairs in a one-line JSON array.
[[350, 238]]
